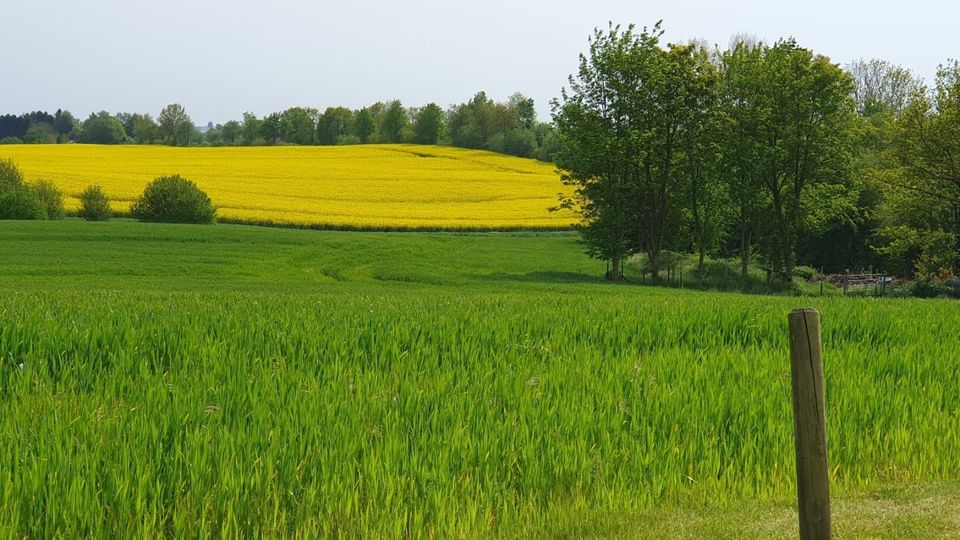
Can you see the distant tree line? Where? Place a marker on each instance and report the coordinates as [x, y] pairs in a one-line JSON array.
[[509, 127], [765, 152]]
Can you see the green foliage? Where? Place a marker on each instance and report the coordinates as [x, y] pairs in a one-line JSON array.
[[469, 124], [271, 129], [11, 140], [428, 126], [64, 123], [230, 132], [509, 127], [50, 197], [10, 176], [882, 87], [40, 134], [175, 126], [926, 145], [364, 125], [800, 135], [679, 147], [938, 255], [298, 125], [250, 129], [930, 252], [145, 129], [516, 142], [103, 129], [548, 144], [632, 110], [94, 204], [173, 199], [21, 203], [333, 125], [394, 123], [932, 288], [348, 139]]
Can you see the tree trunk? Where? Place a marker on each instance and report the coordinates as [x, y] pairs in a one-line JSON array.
[[700, 261], [788, 263], [745, 253], [956, 226], [778, 260], [615, 273], [654, 257]]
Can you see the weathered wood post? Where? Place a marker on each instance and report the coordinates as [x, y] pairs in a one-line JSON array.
[[846, 279], [809, 422]]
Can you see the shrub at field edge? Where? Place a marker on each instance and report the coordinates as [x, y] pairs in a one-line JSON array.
[[50, 197], [94, 204], [173, 199], [17, 200]]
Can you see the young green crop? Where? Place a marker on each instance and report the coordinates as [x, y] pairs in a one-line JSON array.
[[442, 405]]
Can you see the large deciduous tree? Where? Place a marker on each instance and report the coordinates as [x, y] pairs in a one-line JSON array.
[[394, 123], [428, 124], [250, 129], [806, 139], [175, 126], [63, 124], [744, 105], [927, 148], [364, 125], [101, 128], [790, 113], [298, 125], [270, 128], [599, 134], [880, 86], [333, 125], [632, 128]]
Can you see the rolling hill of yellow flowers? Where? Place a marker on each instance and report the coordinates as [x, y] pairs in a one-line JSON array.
[[375, 186]]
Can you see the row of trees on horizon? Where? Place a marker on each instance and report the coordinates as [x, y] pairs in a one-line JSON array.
[[509, 127], [766, 152]]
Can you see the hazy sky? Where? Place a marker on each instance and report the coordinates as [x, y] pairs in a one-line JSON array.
[[220, 58]]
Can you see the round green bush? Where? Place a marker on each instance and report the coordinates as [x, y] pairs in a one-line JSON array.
[[21, 203], [173, 199], [10, 176], [50, 197], [94, 204]]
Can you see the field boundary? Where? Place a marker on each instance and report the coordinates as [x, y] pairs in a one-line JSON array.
[[385, 228]]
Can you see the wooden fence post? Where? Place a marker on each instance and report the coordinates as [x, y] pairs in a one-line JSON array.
[[810, 428]]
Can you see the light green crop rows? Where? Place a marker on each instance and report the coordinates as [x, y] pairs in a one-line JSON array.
[[433, 411]]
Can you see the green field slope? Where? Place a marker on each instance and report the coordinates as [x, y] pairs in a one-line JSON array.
[[225, 380], [149, 256]]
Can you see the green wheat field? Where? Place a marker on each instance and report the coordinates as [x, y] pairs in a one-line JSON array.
[[194, 381]]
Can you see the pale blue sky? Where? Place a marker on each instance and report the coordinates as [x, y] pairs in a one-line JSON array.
[[220, 58]]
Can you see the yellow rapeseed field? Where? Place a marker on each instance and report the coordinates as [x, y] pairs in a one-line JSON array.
[[363, 186]]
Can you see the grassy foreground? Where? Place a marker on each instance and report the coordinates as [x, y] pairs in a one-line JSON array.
[[179, 380]]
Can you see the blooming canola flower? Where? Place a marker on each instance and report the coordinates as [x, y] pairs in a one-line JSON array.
[[405, 186]]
